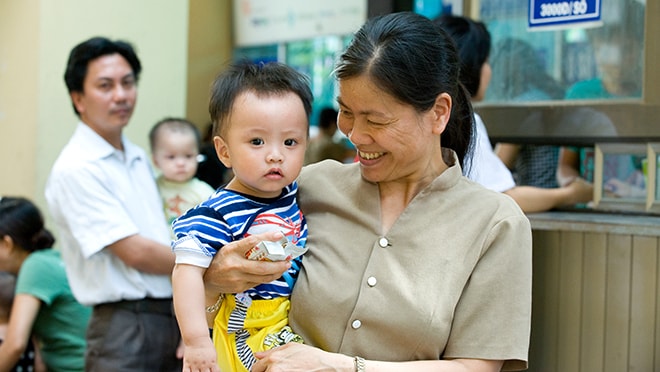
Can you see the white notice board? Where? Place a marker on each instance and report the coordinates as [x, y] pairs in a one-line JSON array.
[[261, 22]]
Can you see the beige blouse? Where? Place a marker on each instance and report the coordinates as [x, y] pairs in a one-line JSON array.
[[451, 279]]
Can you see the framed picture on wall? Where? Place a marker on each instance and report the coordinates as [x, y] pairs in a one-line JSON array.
[[653, 176], [621, 177]]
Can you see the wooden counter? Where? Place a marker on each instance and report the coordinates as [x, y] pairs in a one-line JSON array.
[[595, 294]]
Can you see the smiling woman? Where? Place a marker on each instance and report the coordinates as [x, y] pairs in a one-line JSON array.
[[454, 296], [382, 129]]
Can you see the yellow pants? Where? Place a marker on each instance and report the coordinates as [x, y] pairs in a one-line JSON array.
[[239, 331]]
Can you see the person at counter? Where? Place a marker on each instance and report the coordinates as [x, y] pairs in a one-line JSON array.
[[473, 41]]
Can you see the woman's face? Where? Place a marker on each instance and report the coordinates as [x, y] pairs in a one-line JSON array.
[[7, 261], [394, 142]]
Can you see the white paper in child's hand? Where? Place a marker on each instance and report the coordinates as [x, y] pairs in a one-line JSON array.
[[275, 251]]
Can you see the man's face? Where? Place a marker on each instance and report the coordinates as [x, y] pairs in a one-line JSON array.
[[108, 97]]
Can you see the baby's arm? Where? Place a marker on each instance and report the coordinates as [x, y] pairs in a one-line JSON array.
[[189, 304]]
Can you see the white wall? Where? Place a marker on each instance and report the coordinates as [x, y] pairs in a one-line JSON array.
[[35, 39]]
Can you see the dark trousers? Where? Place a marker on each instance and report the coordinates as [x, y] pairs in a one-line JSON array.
[[139, 335]]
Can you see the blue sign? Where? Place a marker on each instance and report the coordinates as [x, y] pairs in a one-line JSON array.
[[559, 14]]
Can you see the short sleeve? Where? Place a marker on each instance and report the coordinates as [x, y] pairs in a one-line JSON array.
[[496, 302], [37, 277], [95, 215]]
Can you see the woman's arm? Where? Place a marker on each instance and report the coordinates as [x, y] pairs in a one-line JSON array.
[[23, 313], [294, 357], [536, 199], [39, 364], [508, 153], [568, 166], [231, 272]]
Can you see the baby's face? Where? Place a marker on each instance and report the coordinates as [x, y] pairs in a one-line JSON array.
[[265, 143], [176, 155]]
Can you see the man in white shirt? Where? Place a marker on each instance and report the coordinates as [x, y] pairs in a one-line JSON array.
[[103, 197]]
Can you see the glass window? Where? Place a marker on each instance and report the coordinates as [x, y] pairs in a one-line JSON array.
[[316, 58], [603, 61]]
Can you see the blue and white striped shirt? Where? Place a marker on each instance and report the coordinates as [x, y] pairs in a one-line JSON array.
[[227, 216]]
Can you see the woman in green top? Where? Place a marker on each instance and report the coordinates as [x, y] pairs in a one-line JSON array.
[[44, 305]]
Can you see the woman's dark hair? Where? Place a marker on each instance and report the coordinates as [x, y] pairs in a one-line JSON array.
[[472, 41], [7, 293], [21, 220], [405, 55], [263, 79], [88, 50]]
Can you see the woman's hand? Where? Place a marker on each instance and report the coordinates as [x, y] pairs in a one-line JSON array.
[[581, 191], [231, 272], [294, 357]]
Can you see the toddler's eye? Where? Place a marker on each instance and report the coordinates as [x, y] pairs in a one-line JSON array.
[[257, 141], [290, 142]]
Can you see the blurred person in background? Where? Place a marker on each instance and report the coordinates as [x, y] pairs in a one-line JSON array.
[[43, 305], [103, 197]]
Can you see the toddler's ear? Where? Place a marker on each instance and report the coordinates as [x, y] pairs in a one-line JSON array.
[[222, 151], [153, 160]]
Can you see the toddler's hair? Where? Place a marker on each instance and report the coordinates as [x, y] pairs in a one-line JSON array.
[[173, 124]]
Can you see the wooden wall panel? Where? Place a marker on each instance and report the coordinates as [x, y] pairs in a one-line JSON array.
[[643, 303], [592, 328], [595, 302], [570, 302], [617, 303], [545, 289]]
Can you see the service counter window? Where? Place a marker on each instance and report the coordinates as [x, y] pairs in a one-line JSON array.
[[596, 60], [578, 84], [589, 88]]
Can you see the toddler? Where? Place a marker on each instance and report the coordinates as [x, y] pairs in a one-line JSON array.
[[260, 115], [174, 150]]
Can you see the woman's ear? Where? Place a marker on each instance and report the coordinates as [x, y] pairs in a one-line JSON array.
[[222, 150], [441, 112], [6, 242]]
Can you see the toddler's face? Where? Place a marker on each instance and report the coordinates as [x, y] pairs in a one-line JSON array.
[[176, 155], [265, 143]]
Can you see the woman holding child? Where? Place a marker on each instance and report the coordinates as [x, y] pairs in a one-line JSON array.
[[410, 265]]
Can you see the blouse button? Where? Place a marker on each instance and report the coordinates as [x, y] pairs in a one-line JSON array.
[[356, 324], [383, 242], [372, 281]]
